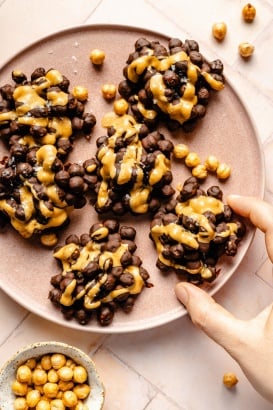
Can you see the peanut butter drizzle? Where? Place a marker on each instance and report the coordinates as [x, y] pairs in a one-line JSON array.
[[87, 254], [182, 110], [126, 127], [193, 208]]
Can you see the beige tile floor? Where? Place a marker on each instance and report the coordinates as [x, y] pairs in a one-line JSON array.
[[173, 366]]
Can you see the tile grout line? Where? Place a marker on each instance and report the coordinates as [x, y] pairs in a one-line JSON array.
[[15, 328]]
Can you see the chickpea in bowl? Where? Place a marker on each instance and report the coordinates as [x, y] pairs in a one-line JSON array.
[[50, 376]]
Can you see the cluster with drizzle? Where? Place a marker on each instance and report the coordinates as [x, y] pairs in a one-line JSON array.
[[193, 231], [172, 84], [38, 121], [100, 273], [132, 169]]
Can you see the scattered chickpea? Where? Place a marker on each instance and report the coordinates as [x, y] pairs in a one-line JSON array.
[[181, 151], [192, 159], [80, 92], [219, 31], [121, 106], [230, 379], [246, 50], [108, 91], [97, 56], [211, 163], [249, 12], [200, 171], [223, 171]]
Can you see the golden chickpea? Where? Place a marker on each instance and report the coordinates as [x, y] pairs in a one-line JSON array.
[[31, 363], [246, 50], [64, 386], [51, 390], [65, 373], [39, 377], [230, 379], [49, 239], [69, 398], [211, 163], [192, 159], [223, 171], [97, 56], [121, 106], [82, 391], [79, 374], [248, 13], [81, 406], [46, 362], [200, 171], [181, 151], [39, 388], [43, 405], [52, 376], [33, 397], [58, 360], [23, 374], [20, 404], [81, 93], [57, 404], [219, 31], [18, 388], [109, 91]]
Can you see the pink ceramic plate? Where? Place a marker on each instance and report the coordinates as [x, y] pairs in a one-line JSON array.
[[226, 131]]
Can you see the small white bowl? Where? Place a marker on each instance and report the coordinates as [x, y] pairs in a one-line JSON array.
[[95, 399]]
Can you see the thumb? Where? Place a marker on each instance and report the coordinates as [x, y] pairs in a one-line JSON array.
[[213, 319]]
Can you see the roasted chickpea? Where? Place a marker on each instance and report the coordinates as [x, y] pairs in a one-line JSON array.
[[249, 12], [23, 374], [65, 373], [64, 386], [39, 377], [181, 151], [81, 406], [58, 360], [192, 159], [246, 50], [223, 171], [109, 91], [81, 391], [20, 404], [46, 362], [57, 404], [49, 240], [230, 379], [200, 171], [80, 92], [211, 163], [18, 388], [219, 31], [33, 397], [97, 56], [31, 363], [79, 374], [52, 376], [43, 405], [51, 390], [69, 398], [121, 106]]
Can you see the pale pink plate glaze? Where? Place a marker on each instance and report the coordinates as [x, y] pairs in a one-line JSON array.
[[226, 131]]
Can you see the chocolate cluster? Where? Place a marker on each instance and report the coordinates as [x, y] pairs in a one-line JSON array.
[[100, 273], [131, 171], [194, 230], [39, 119], [171, 84]]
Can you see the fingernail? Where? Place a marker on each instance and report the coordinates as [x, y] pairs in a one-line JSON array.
[[182, 294]]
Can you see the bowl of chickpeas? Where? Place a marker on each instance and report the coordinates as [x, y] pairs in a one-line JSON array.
[[50, 376]]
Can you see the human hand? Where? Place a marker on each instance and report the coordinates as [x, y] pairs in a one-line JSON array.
[[250, 342]]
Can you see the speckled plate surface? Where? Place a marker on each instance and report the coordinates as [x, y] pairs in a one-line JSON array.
[[226, 131]]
